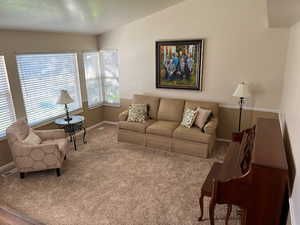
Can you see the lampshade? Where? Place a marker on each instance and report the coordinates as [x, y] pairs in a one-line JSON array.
[[242, 91], [64, 98]]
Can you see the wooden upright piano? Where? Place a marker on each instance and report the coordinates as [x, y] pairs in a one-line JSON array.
[[254, 177]]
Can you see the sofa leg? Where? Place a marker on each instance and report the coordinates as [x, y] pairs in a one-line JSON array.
[[58, 172], [22, 175]]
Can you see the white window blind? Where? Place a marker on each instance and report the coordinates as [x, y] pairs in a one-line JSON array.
[[42, 78], [7, 112], [93, 79], [110, 76]]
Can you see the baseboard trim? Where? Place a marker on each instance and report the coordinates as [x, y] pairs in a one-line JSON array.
[[292, 212], [223, 140], [249, 108], [110, 122], [7, 167]]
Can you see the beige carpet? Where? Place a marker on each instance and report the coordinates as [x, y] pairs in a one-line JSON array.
[[110, 183]]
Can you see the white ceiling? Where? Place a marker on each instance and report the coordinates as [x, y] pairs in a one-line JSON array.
[[83, 16], [283, 13]]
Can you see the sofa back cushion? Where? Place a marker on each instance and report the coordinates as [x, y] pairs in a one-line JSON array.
[[214, 107], [151, 101], [170, 109]]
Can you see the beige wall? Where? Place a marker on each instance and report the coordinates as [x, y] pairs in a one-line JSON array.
[[13, 42], [290, 117], [228, 117], [238, 47]]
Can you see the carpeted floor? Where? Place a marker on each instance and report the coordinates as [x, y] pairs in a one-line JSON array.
[[110, 183]]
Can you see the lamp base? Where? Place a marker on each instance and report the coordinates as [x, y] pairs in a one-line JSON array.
[[68, 119]]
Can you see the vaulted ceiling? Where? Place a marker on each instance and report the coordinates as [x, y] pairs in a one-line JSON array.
[[84, 16], [283, 13], [98, 16]]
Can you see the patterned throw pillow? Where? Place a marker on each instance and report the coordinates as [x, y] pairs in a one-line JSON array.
[[137, 113], [202, 118], [32, 139], [189, 117]]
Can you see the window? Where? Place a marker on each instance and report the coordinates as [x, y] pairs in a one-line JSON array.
[[42, 78], [110, 76], [7, 112], [93, 79]]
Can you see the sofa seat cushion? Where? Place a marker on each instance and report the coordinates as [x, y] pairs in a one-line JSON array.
[[191, 134], [135, 126], [163, 128]]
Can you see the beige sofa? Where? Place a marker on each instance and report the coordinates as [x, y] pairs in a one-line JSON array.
[[163, 129]]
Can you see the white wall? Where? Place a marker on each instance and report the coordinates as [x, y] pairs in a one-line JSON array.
[[239, 47], [290, 116]]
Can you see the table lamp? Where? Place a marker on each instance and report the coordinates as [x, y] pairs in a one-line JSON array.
[[241, 92], [65, 99]]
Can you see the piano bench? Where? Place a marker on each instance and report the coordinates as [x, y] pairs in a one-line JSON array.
[[206, 190]]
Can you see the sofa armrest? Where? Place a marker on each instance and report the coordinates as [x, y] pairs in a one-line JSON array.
[[123, 115], [211, 126], [50, 134]]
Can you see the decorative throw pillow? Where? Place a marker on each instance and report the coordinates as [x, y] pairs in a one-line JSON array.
[[137, 113], [203, 115], [189, 117], [32, 139]]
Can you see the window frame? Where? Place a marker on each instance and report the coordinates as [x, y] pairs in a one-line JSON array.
[[77, 87], [103, 77], [100, 82], [8, 95]]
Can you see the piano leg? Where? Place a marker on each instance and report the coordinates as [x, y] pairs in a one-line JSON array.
[[229, 209], [201, 206], [212, 206]]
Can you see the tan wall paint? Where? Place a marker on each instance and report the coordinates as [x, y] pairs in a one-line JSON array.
[[238, 47], [228, 117], [13, 42], [290, 118]]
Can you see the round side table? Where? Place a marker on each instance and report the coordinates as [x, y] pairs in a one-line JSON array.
[[72, 126]]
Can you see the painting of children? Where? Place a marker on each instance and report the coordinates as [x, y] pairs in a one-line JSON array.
[[179, 64]]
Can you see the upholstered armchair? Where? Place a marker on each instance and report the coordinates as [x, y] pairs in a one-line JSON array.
[[49, 154]]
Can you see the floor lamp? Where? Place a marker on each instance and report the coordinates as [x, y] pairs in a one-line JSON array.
[[241, 92]]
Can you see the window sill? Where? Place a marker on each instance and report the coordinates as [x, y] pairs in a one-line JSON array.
[[47, 122], [113, 105], [95, 107], [3, 138]]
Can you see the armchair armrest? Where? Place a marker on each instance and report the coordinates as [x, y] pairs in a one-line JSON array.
[[211, 126], [123, 115], [50, 134], [26, 155]]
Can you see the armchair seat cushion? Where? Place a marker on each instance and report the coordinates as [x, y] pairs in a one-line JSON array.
[[135, 126], [163, 128], [191, 134]]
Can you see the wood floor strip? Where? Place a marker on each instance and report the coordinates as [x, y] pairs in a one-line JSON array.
[[12, 217]]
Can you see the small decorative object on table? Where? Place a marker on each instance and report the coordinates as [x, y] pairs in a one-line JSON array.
[[71, 126], [241, 92], [65, 99]]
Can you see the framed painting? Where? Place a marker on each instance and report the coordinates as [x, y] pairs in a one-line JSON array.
[[179, 64]]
